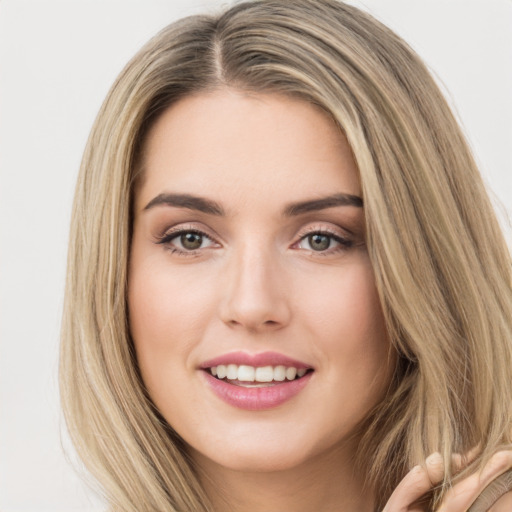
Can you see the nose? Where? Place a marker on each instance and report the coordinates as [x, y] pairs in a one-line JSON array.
[[255, 294]]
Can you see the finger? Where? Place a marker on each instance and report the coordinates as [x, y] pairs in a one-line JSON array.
[[461, 496], [415, 484], [459, 461]]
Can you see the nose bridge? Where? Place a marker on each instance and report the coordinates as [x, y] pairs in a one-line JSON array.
[[254, 289]]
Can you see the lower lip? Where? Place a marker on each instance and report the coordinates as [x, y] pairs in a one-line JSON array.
[[256, 399]]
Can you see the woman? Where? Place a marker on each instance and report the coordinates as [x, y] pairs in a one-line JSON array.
[[286, 283]]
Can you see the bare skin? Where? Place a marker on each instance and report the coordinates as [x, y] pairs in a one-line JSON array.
[[461, 496], [315, 485], [223, 260]]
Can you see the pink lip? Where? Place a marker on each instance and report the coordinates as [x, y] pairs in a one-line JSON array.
[[256, 399], [261, 398], [262, 359]]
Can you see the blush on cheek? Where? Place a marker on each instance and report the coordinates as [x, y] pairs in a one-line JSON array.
[[355, 327]]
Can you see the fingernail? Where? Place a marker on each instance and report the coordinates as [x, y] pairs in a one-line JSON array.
[[434, 459]]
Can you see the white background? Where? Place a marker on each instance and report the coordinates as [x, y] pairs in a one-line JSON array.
[[57, 61]]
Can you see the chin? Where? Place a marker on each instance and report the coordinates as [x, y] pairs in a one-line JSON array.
[[268, 448], [255, 460]]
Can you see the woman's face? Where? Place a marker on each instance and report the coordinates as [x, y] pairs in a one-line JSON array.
[[248, 261]]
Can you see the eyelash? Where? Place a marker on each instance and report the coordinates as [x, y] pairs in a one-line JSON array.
[[168, 237], [343, 243]]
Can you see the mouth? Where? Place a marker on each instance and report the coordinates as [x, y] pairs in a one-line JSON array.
[[256, 376], [256, 382]]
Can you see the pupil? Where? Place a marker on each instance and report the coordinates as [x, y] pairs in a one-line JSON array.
[[191, 241], [319, 242]]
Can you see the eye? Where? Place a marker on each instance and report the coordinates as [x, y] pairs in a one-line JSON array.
[[318, 241], [190, 240], [186, 240], [321, 241]]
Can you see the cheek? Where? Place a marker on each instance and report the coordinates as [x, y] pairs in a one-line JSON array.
[[168, 312], [346, 301], [346, 318], [155, 314]]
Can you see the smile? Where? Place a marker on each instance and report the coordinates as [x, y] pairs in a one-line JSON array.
[[251, 376], [256, 382]]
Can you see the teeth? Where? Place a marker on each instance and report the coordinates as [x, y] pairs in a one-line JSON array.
[[221, 371], [290, 373], [279, 373], [264, 374], [232, 372], [244, 373]]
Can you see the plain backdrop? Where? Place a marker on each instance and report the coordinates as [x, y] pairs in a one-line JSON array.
[[57, 61]]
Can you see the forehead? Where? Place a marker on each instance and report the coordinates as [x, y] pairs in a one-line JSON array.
[[227, 142]]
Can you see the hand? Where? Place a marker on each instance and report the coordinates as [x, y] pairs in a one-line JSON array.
[[469, 495]]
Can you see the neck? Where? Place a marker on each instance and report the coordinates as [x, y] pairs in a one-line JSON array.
[[328, 483]]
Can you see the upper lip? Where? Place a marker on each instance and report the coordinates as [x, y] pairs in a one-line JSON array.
[[256, 360]]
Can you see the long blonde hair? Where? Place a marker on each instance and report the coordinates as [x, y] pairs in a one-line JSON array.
[[441, 265]]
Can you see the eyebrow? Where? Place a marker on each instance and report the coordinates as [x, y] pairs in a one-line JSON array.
[[323, 203], [186, 201], [210, 207]]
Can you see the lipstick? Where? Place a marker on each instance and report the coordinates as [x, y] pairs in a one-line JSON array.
[[256, 381], [256, 360]]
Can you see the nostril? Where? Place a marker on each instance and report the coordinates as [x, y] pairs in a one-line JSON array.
[[253, 324]]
